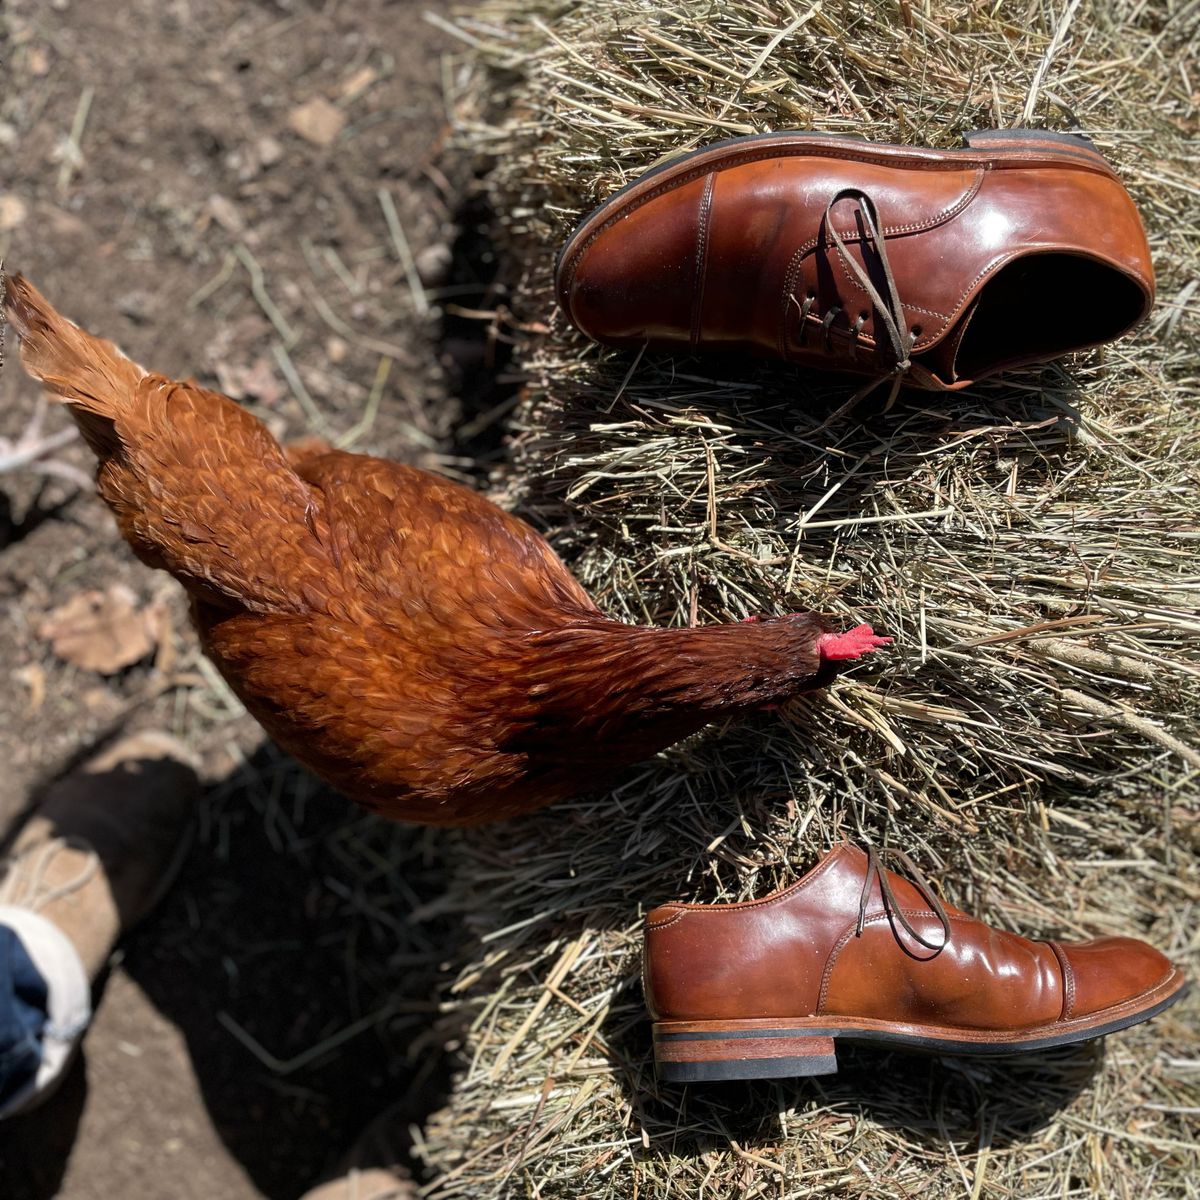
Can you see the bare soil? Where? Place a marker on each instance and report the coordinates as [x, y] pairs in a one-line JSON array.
[[155, 188]]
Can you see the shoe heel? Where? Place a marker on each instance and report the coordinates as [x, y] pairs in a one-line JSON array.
[[710, 1051], [1030, 139]]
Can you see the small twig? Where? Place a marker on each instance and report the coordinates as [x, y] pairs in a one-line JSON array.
[[203, 292], [887, 519], [314, 414], [781, 36], [1134, 723], [339, 326], [348, 439], [65, 471], [449, 27], [757, 1159], [25, 452], [72, 155], [259, 289], [1047, 58], [403, 252], [286, 1066]]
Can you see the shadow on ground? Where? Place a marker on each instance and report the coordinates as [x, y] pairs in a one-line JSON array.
[[293, 957]]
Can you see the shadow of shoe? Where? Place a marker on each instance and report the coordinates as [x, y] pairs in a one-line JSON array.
[[970, 1102]]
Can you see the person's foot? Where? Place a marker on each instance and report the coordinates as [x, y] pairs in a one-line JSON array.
[[105, 843]]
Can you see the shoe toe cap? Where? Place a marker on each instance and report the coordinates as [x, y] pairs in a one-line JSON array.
[[633, 277], [1112, 971]]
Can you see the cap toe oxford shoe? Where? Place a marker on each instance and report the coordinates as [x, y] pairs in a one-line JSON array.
[[933, 268], [853, 952]]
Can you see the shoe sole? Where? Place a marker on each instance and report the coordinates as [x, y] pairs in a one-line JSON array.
[[1024, 146], [713, 1051]]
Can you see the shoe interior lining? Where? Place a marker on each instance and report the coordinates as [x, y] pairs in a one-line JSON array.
[[1044, 305]]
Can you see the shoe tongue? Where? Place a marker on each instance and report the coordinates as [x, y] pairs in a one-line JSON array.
[[940, 360]]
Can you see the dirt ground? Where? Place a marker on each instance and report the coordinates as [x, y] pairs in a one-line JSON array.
[[226, 189]]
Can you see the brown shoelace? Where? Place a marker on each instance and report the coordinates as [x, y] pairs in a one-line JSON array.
[[888, 308], [876, 870]]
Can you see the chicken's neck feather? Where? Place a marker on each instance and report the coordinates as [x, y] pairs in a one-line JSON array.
[[607, 668]]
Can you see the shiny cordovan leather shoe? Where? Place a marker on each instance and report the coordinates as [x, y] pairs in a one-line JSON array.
[[931, 268], [854, 952]]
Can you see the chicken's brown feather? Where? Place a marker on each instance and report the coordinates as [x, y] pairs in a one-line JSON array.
[[202, 489], [394, 724], [439, 550], [87, 372], [198, 485]]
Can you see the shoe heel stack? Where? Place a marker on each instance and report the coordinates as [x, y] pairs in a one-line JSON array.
[[1028, 139], [704, 1051]]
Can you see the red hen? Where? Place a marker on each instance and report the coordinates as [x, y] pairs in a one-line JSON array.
[[425, 652]]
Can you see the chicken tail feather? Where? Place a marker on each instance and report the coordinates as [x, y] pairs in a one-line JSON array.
[[90, 374], [198, 485]]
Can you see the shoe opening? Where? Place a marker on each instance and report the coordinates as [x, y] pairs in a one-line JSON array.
[[1045, 305]]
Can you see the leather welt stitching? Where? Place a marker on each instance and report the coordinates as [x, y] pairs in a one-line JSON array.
[[851, 234], [683, 912], [623, 209], [701, 256], [850, 932], [1133, 1001], [1068, 978]]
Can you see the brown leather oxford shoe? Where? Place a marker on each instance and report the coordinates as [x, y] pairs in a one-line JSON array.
[[930, 267], [853, 952]]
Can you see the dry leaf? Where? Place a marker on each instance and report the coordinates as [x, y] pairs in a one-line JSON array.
[[358, 83], [38, 60], [318, 121], [13, 212], [100, 631]]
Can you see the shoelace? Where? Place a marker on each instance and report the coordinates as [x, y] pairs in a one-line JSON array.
[[23, 885], [876, 870], [888, 308]]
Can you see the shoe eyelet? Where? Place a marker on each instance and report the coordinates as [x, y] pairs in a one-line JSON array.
[[916, 331], [811, 293]]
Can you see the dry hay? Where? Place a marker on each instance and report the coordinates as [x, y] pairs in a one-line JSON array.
[[1033, 738]]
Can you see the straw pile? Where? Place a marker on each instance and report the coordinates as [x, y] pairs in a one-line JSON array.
[[1033, 739]]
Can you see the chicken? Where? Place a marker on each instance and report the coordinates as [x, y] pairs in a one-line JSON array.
[[417, 647]]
